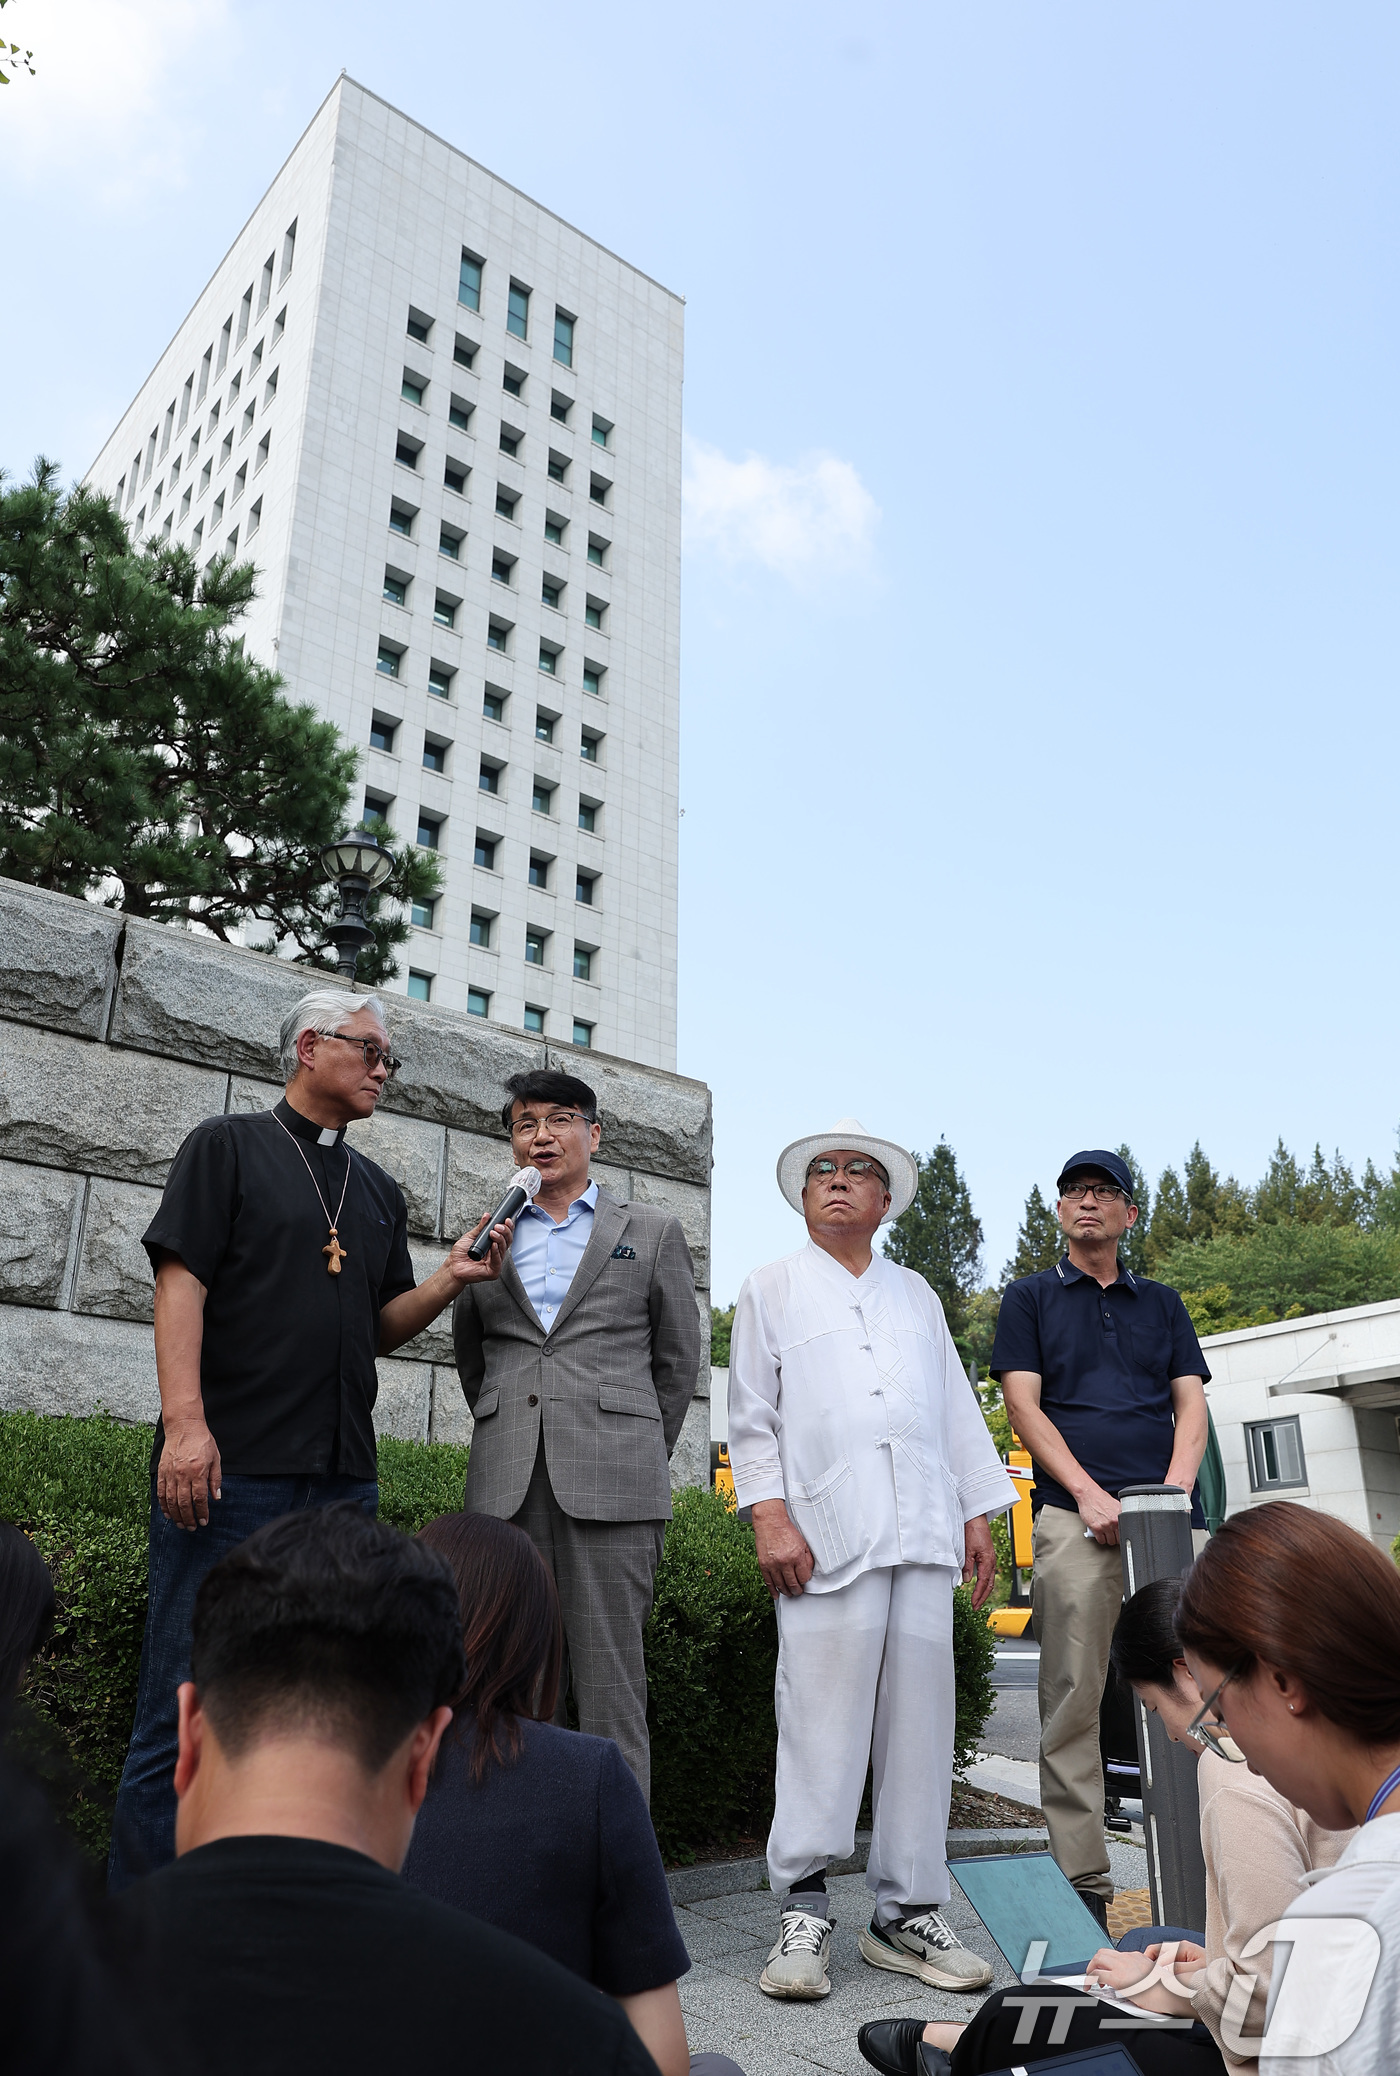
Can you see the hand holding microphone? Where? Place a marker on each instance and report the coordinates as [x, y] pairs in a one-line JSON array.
[[520, 1190]]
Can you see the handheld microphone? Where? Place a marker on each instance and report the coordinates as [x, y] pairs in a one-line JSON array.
[[522, 1188]]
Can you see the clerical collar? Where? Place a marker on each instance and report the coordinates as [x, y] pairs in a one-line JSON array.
[[305, 1127]]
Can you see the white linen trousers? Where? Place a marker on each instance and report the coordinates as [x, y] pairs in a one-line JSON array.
[[865, 1673]]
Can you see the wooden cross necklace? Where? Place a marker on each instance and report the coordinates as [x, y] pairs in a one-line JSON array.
[[333, 1252]]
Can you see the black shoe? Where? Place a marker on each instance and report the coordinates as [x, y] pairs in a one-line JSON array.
[[1095, 1902], [896, 2047]]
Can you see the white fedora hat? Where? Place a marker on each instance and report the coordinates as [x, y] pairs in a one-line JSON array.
[[849, 1135]]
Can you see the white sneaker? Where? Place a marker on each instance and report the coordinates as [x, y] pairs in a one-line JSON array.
[[925, 1945], [798, 1963]]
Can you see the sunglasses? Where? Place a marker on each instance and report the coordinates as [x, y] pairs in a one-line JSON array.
[[1213, 1735]]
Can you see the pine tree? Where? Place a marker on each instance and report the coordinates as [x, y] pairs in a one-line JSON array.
[[940, 1235], [1132, 1248], [1039, 1242], [145, 758], [1169, 1220]]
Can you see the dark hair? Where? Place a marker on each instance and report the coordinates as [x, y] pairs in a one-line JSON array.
[[1144, 1649], [544, 1086], [26, 1607], [511, 1631], [329, 1618], [1270, 1586]]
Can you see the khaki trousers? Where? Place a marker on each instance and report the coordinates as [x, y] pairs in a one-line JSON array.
[[1076, 1593]]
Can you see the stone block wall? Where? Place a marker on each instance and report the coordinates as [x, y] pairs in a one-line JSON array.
[[118, 1036]]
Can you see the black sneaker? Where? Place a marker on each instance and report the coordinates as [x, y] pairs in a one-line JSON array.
[[897, 2047]]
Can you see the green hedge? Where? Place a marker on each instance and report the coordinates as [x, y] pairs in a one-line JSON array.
[[80, 1488]]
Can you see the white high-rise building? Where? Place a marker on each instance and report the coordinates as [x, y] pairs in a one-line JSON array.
[[446, 427]]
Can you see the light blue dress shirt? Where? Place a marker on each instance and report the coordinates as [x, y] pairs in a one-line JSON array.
[[546, 1255]]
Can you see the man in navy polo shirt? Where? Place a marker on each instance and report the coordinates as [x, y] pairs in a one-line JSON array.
[[1104, 1381]]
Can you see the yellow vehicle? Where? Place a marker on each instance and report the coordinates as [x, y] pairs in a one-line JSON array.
[[1014, 1618]]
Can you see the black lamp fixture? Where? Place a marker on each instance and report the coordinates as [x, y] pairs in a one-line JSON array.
[[359, 865]]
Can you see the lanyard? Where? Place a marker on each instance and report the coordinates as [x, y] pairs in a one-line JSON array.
[[1386, 1788]]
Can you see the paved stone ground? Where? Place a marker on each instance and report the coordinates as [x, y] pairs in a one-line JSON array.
[[726, 2012]]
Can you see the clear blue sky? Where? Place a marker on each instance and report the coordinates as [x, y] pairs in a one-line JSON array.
[[1039, 642]]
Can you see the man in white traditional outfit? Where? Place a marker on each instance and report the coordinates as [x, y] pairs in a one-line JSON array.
[[859, 1449]]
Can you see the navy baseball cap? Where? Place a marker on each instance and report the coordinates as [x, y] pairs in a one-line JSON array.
[[1097, 1161]]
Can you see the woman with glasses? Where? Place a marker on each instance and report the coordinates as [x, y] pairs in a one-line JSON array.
[[1290, 1624], [1257, 1846]]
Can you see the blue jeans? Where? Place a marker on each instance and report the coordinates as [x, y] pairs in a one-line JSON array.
[[143, 1828], [1143, 1936]]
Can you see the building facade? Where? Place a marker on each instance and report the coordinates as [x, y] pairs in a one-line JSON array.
[[446, 427]]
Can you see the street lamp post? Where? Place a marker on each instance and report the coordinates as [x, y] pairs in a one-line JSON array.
[[359, 866]]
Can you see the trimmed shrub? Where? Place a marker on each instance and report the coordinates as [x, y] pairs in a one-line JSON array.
[[80, 1488]]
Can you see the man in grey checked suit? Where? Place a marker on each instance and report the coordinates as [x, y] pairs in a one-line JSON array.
[[578, 1365]]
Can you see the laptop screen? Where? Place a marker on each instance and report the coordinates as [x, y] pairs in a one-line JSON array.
[[1023, 1899]]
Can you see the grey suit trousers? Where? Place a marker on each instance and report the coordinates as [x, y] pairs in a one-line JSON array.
[[605, 1572]]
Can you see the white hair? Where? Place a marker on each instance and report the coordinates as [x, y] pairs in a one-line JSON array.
[[324, 1010]]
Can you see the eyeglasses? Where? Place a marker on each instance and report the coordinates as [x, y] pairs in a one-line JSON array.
[[1214, 1736], [855, 1169], [373, 1053], [1101, 1192], [557, 1123]]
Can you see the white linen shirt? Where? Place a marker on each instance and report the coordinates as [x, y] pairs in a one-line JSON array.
[[848, 1401]]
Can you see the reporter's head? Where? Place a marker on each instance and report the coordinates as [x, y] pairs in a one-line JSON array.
[[326, 1650]]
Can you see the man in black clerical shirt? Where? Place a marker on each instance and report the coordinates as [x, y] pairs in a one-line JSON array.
[[282, 1270], [326, 1653]]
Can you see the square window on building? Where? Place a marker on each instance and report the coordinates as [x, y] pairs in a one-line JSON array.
[[539, 873], [459, 415], [541, 797], [588, 748], [498, 637], [247, 425], [506, 502], [455, 479], [481, 930], [583, 888], [411, 391], [485, 853], [198, 535], [395, 588], [513, 381], [215, 515], [434, 754], [405, 455], [583, 962], [478, 1002], [596, 552], [549, 661], [489, 778], [583, 1034], [387, 662], [598, 490], [510, 442], [279, 324], [518, 311], [549, 594], [377, 807], [422, 913], [401, 521], [254, 515], [587, 816], [534, 1018], [420, 986], [493, 706], [418, 330], [382, 733], [554, 531], [444, 612], [440, 681], [268, 394], [592, 678], [429, 832], [534, 947], [463, 352], [563, 339], [256, 362], [601, 429], [593, 614], [185, 505], [450, 545], [559, 408], [469, 290], [1275, 1450], [264, 449], [226, 449], [501, 567], [558, 467], [544, 725]]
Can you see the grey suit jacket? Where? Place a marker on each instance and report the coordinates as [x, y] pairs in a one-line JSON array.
[[608, 1387]]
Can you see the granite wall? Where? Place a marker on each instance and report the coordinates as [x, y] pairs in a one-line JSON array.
[[117, 1036]]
